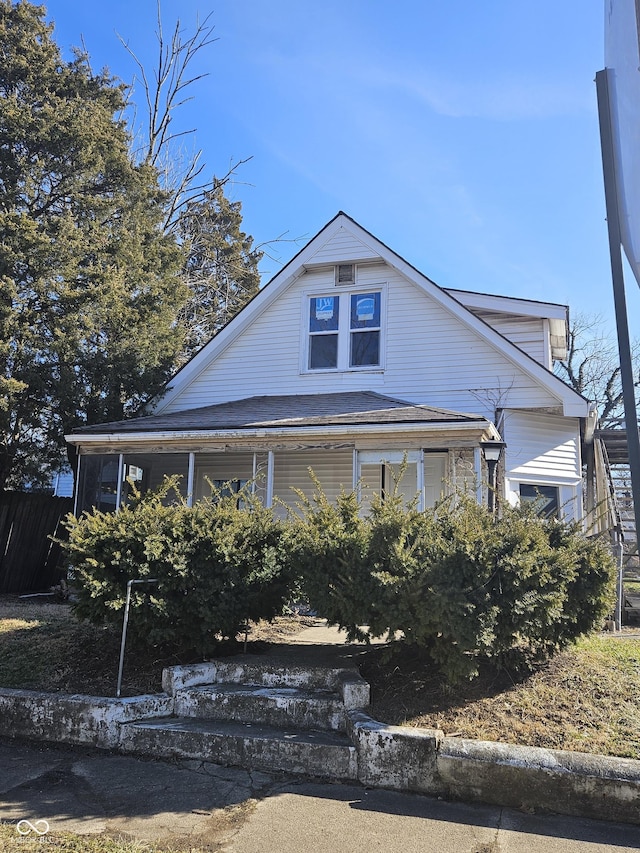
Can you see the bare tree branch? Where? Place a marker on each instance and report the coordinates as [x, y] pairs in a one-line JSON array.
[[164, 93], [592, 367]]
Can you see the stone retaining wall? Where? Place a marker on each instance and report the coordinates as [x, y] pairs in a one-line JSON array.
[[521, 777], [400, 758]]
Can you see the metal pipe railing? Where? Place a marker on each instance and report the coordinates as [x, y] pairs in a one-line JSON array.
[[125, 623]]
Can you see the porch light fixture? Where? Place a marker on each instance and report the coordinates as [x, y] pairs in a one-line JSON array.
[[492, 451]]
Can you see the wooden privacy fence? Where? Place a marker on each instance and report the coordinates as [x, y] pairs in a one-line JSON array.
[[29, 560]]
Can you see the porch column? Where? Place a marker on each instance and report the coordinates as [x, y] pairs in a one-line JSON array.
[[120, 479], [191, 478], [420, 480], [254, 472], [269, 496], [355, 479], [477, 467], [76, 485]]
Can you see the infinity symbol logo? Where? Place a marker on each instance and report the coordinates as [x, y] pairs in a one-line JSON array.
[[40, 827]]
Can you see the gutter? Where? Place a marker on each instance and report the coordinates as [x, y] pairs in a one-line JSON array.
[[277, 432]]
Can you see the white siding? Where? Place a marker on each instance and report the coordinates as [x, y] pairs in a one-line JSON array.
[[435, 473], [343, 246], [334, 470], [212, 466], [542, 448], [222, 466], [431, 356], [528, 333], [159, 465]]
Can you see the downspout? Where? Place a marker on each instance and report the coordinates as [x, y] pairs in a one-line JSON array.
[[477, 468], [354, 475], [420, 483], [254, 472]]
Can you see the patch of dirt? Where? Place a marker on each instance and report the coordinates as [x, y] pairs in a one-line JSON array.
[[76, 657]]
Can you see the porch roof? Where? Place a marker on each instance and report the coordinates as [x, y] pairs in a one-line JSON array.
[[287, 412]]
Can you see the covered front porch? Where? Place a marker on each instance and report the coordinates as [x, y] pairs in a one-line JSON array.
[[349, 441]]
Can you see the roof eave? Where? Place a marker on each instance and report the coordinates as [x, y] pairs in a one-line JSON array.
[[174, 436]]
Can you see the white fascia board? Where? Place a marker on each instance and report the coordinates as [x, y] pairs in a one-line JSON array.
[[510, 304], [573, 404], [171, 436], [576, 410]]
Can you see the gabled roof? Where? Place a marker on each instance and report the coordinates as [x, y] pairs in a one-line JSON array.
[[369, 248], [286, 412], [556, 314]]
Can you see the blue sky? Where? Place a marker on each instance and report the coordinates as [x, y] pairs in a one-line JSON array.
[[463, 134]]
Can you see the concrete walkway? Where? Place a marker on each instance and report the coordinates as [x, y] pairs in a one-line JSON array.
[[194, 805]]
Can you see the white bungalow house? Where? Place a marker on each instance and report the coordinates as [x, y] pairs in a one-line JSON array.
[[348, 362]]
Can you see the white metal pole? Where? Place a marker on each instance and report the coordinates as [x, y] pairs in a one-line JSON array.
[[76, 486], [270, 461], [120, 479], [191, 478]]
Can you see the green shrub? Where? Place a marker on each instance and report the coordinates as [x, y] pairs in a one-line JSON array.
[[216, 567], [455, 581], [326, 547]]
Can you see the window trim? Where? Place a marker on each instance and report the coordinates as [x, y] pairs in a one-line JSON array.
[[344, 328]]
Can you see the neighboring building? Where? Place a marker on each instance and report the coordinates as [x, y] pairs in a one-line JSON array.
[[62, 483], [348, 362]]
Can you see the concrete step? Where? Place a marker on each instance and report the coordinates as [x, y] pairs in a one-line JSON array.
[[291, 750], [273, 706], [259, 672]]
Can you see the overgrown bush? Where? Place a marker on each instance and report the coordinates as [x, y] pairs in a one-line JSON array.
[[216, 567], [454, 581]]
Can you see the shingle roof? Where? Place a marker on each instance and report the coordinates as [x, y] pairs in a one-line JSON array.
[[288, 412]]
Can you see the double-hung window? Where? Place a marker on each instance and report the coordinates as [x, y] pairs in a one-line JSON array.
[[364, 339], [344, 331], [324, 319]]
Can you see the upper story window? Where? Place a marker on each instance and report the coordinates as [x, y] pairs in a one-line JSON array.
[[364, 341], [344, 331], [324, 320]]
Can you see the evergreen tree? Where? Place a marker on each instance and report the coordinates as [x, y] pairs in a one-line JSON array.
[[89, 279], [221, 265]]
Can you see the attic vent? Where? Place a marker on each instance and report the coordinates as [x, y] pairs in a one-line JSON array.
[[345, 273]]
